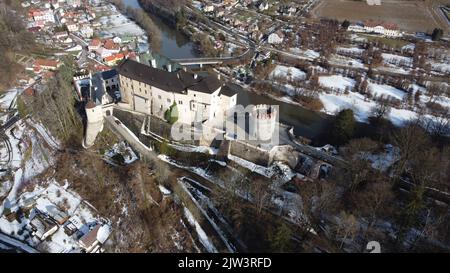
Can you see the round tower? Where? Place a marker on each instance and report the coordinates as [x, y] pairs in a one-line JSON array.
[[94, 124], [263, 118]]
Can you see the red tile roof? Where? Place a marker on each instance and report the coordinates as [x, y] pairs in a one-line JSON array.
[[110, 45], [45, 62], [95, 42]]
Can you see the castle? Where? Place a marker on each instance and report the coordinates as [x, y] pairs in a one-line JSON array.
[[154, 90]]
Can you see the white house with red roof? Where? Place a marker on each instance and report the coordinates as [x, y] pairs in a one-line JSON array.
[[45, 15], [382, 28]]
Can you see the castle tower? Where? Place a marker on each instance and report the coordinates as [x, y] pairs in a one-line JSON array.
[[263, 119], [94, 124]]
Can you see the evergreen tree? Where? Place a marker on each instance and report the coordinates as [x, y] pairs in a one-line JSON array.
[[281, 242], [345, 24], [437, 34], [344, 127], [171, 114]]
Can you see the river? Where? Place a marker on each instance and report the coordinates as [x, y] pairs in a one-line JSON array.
[[174, 44], [306, 123]]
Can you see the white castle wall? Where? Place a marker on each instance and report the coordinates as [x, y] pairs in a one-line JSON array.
[[263, 121]]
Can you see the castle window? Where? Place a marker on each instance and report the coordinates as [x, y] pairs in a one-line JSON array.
[[180, 102], [159, 96], [168, 100]]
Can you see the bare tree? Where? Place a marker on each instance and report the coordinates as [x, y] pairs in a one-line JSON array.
[[435, 90], [381, 109], [411, 140], [346, 228]]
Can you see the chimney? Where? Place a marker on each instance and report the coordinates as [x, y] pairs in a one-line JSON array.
[[169, 67], [218, 77], [184, 68], [195, 76], [153, 61]]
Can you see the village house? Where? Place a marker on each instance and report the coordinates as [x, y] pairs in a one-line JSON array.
[[45, 64], [61, 35], [377, 27], [92, 240], [71, 26], [275, 38], [42, 226], [94, 45], [382, 28], [43, 15], [86, 31], [113, 59]]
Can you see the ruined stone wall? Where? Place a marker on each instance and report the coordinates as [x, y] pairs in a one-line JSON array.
[[249, 153]]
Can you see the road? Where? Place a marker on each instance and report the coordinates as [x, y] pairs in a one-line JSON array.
[[16, 244], [5, 138]]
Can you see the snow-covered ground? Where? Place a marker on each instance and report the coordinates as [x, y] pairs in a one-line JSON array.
[[440, 67], [382, 161], [32, 153], [49, 199], [277, 168], [206, 242], [118, 24], [385, 91], [350, 50], [306, 54], [288, 73], [336, 82], [361, 107], [124, 150], [345, 61], [7, 98], [397, 59]]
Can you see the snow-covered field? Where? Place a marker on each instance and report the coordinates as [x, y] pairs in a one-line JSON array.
[[288, 73], [361, 107], [336, 82], [385, 91], [440, 67], [306, 54], [397, 60], [346, 61]]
